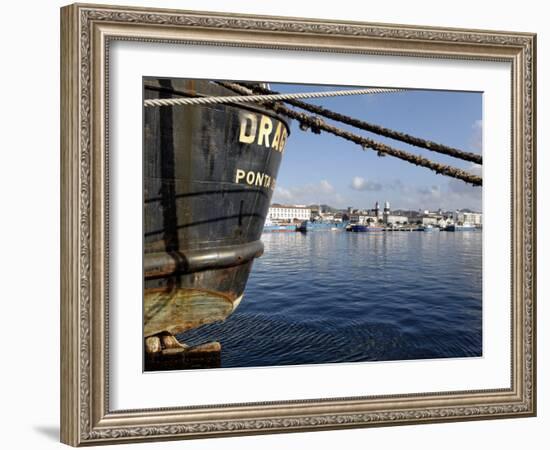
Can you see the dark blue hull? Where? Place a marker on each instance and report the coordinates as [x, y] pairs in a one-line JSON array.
[[364, 229]]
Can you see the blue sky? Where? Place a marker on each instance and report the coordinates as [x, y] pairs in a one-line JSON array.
[[327, 169]]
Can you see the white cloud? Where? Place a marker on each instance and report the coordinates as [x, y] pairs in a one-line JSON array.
[[361, 184], [476, 138], [430, 192], [396, 185], [324, 186], [448, 195], [313, 193], [282, 195]]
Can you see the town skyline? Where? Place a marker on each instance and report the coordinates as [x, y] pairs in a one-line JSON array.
[[286, 215], [365, 208]]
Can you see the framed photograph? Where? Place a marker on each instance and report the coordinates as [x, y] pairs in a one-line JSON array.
[[286, 224]]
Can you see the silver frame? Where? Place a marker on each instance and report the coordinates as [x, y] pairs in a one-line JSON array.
[[86, 32]]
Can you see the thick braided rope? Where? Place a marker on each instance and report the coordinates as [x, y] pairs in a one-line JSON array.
[[262, 98], [316, 125], [373, 128]]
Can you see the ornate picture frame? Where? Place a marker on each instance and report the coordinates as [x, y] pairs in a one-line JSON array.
[[87, 31]]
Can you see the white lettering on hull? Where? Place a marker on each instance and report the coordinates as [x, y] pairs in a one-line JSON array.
[[260, 131], [253, 178]]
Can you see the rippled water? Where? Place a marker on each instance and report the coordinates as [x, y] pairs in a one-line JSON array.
[[339, 297]]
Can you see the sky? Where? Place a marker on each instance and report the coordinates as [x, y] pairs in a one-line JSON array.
[[325, 169]]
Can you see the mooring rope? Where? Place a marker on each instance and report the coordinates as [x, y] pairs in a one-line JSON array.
[[316, 124], [262, 98], [373, 128]]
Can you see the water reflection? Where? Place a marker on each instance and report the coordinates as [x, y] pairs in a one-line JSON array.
[[336, 296]]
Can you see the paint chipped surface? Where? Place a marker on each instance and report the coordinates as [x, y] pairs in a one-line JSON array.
[[178, 310]]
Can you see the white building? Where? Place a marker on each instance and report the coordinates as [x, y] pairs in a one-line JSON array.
[[362, 219], [394, 219], [433, 220], [288, 213], [460, 217], [391, 219]]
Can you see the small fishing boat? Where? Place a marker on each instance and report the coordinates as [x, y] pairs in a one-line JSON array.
[[276, 227], [308, 225], [460, 227], [279, 228], [428, 228], [359, 228]]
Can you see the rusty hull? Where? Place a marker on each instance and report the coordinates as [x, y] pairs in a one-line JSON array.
[[202, 223]]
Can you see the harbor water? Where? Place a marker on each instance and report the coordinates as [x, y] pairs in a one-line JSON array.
[[332, 296]]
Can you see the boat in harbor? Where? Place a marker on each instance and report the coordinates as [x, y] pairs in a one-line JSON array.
[[308, 226], [461, 227], [279, 228], [209, 175], [428, 228], [359, 228]]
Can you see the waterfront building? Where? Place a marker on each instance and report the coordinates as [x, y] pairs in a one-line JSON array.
[[386, 217], [431, 220], [316, 212], [463, 217], [288, 213], [376, 216], [395, 219], [362, 219]]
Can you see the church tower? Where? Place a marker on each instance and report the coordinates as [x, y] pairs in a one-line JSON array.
[[386, 211]]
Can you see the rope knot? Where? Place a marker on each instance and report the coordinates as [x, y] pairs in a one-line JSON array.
[[316, 124], [312, 123]]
